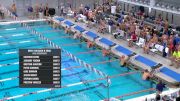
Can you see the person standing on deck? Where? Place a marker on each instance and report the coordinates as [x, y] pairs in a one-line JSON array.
[[46, 10], [160, 87], [41, 11], [14, 9]]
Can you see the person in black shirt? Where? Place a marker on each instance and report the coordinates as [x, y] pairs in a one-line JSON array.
[[160, 86], [46, 10], [158, 97], [178, 98]]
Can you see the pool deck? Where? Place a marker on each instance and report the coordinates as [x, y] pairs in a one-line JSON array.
[[124, 43]]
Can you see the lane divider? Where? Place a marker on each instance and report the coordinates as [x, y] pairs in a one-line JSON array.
[[14, 52], [63, 69], [72, 44], [133, 93], [87, 52], [26, 41], [69, 85]]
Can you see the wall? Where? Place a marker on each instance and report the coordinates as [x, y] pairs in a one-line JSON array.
[[175, 21], [23, 4]]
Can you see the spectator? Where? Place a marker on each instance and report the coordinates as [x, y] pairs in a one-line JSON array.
[[102, 26], [133, 39], [147, 47], [158, 97], [176, 40], [175, 58], [164, 41], [178, 98], [166, 98], [110, 23], [170, 44]]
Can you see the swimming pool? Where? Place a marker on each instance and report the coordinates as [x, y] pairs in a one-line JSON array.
[[13, 37]]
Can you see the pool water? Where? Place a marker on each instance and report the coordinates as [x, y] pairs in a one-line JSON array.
[[13, 37]]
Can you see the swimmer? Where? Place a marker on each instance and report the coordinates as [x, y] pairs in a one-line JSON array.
[[54, 25], [123, 61], [67, 29], [89, 44], [77, 36], [105, 52], [146, 75]]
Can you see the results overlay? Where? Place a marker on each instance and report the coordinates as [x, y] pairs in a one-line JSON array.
[[40, 68]]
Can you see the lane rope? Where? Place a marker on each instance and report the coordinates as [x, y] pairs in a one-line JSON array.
[[66, 86]]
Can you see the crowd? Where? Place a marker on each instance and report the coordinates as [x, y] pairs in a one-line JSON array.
[[38, 11], [128, 27], [173, 97]]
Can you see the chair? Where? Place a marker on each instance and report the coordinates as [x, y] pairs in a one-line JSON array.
[[141, 42], [159, 48]]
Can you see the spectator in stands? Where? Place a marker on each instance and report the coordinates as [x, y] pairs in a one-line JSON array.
[[138, 31], [133, 39], [176, 40], [170, 44], [178, 57], [81, 9], [160, 87], [164, 42], [147, 47], [14, 9], [154, 39], [102, 26], [110, 23], [175, 58], [159, 19]]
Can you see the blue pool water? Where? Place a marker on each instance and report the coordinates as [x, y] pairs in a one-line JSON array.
[[13, 37]]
